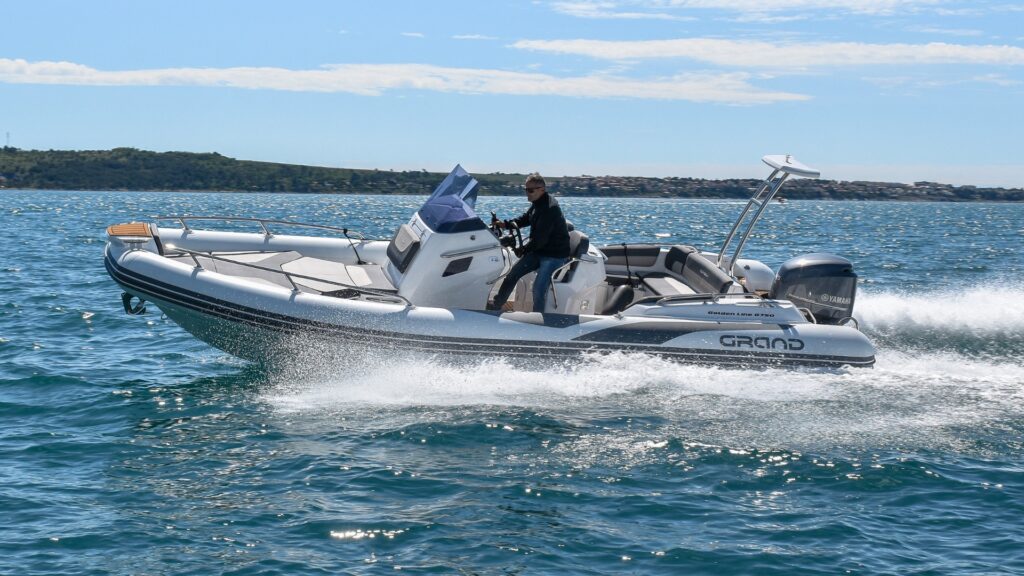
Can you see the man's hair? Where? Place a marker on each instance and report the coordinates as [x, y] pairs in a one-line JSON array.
[[535, 178]]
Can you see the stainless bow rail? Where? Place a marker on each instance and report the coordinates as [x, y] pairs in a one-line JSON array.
[[183, 220], [290, 276]]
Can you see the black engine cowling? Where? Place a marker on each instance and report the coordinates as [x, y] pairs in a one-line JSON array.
[[825, 284]]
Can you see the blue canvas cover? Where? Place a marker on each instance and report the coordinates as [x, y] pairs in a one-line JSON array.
[[450, 208]]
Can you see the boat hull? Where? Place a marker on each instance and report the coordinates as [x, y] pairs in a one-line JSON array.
[[263, 323]]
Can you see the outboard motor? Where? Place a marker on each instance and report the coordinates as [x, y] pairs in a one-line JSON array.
[[824, 284]]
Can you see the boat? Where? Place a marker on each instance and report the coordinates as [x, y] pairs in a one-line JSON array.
[[255, 293]]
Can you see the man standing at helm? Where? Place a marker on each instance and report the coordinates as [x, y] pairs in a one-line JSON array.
[[545, 251]]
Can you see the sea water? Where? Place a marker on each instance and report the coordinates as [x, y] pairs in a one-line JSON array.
[[129, 447]]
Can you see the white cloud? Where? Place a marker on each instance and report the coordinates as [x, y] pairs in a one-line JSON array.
[[946, 31], [611, 11], [893, 82], [960, 12], [750, 53], [979, 9], [663, 9], [374, 79], [769, 18], [473, 37], [413, 34], [890, 82], [861, 6], [997, 79]]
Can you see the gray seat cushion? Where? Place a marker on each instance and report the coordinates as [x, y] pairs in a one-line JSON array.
[[579, 244], [638, 255], [704, 277], [666, 286], [676, 258]]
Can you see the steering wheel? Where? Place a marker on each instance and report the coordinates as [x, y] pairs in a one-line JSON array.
[[512, 238]]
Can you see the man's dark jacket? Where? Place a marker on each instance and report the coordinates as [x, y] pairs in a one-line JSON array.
[[549, 235]]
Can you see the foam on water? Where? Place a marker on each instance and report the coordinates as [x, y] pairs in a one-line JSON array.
[[315, 381], [908, 399], [989, 311]]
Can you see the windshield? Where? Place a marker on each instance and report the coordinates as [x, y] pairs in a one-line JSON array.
[[450, 207]]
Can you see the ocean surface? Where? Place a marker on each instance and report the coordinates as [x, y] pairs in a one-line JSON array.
[[129, 447]]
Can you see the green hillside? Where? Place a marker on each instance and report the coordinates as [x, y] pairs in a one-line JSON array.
[[132, 169]]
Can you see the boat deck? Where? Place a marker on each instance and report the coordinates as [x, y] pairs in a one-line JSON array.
[[281, 269]]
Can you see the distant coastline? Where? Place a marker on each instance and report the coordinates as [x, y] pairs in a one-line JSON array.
[[132, 169]]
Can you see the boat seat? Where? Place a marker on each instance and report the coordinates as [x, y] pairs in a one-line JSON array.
[[361, 276], [635, 255], [704, 277], [370, 276], [671, 284], [618, 301], [676, 258], [579, 245], [242, 265], [665, 286]]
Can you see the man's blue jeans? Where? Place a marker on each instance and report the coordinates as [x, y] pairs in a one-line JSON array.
[[544, 265]]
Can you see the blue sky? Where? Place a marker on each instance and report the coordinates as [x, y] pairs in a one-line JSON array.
[[896, 90]]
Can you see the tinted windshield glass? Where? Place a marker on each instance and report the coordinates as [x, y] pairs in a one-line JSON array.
[[450, 207]]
